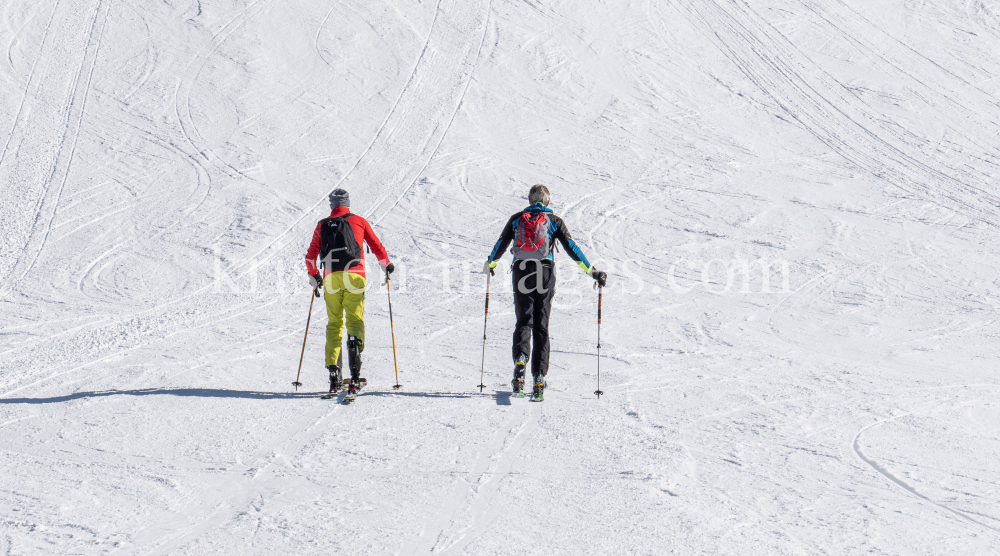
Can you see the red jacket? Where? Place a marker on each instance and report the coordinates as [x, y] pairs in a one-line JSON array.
[[362, 232]]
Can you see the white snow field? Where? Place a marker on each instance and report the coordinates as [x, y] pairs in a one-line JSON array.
[[163, 165]]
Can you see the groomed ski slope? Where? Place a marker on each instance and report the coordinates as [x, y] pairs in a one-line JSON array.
[[163, 165]]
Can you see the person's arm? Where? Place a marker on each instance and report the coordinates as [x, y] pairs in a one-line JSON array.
[[566, 239], [506, 237], [375, 245], [313, 252]]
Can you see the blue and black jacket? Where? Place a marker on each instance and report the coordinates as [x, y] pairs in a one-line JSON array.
[[557, 231]]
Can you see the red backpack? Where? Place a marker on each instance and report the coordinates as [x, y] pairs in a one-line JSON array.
[[532, 237]]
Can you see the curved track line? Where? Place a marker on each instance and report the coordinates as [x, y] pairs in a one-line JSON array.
[[13, 39], [856, 445], [218, 39], [86, 272], [150, 64], [319, 31]]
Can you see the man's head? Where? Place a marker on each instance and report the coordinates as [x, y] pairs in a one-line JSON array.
[[340, 198], [539, 194]]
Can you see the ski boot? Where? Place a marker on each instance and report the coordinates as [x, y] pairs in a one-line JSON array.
[[354, 347], [336, 380], [538, 392], [518, 383]]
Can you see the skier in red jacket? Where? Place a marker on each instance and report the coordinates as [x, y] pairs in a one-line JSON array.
[[338, 245]]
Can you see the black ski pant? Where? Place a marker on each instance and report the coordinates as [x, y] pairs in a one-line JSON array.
[[534, 287]]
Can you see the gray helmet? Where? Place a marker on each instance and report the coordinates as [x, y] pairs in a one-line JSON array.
[[340, 198]]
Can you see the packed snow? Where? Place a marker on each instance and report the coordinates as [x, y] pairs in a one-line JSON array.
[[796, 201]]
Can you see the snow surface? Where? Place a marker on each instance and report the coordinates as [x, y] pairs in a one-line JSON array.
[[163, 165]]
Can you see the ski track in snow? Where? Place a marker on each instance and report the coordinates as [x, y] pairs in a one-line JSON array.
[[79, 123], [144, 409], [257, 257], [471, 496], [61, 164], [235, 489], [902, 484], [188, 126]]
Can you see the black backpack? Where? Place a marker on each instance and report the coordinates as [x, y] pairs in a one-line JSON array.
[[339, 249]]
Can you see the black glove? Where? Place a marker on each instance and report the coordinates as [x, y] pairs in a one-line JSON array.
[[389, 268], [316, 281], [600, 276]]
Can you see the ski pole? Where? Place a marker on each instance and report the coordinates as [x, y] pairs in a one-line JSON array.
[[388, 291], [600, 298], [482, 372], [296, 384]]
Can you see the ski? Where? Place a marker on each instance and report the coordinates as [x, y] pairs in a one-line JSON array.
[[348, 398], [538, 397]]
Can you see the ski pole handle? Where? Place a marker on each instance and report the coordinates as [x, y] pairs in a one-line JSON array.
[[487, 309], [600, 299]]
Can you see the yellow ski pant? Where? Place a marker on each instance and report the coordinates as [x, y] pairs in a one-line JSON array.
[[345, 295]]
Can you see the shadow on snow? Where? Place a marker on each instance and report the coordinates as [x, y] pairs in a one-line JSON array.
[[218, 393], [181, 392]]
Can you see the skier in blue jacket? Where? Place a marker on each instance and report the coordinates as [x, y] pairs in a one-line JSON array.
[[533, 232]]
